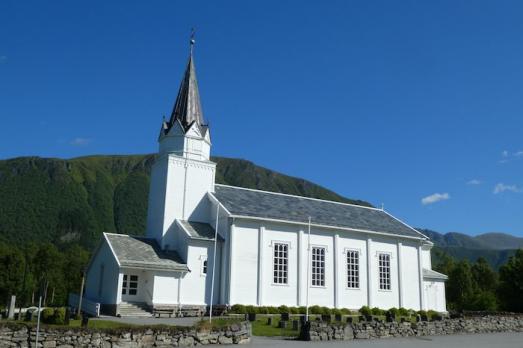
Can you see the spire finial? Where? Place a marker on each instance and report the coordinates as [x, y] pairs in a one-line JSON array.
[[192, 41]]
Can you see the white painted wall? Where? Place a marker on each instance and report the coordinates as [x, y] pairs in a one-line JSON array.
[[109, 286], [349, 297], [410, 276], [196, 286], [165, 290], [180, 180], [252, 278], [385, 298], [425, 256], [435, 295]]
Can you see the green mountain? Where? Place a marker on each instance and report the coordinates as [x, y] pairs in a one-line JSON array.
[[496, 248], [75, 200]]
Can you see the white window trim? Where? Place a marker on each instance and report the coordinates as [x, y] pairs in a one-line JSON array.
[[324, 267], [272, 245], [345, 251], [378, 253]]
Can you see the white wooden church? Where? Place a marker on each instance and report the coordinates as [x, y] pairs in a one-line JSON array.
[[263, 248]]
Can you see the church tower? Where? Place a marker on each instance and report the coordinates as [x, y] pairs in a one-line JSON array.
[[182, 173]]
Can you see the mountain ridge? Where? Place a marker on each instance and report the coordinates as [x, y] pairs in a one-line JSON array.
[[73, 200]]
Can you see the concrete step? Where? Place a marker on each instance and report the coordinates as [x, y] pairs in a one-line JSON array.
[[134, 309]]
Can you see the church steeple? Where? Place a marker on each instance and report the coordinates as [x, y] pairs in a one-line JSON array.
[[187, 108]]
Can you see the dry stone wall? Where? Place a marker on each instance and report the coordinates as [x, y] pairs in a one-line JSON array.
[[17, 335], [323, 331]]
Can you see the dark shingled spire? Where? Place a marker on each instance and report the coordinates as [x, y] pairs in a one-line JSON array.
[[187, 108]]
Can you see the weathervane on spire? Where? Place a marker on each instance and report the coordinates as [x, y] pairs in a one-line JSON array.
[[192, 41]]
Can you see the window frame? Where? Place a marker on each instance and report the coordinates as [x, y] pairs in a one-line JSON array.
[[388, 287], [323, 283], [127, 284], [274, 245], [204, 266], [358, 270]]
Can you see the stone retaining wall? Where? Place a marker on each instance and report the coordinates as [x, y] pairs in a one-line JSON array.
[[18, 335], [322, 331]]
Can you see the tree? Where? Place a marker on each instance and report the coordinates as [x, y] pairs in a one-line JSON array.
[[48, 271], [460, 286], [12, 265], [511, 283]]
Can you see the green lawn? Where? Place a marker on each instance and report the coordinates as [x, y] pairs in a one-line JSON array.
[[260, 328]]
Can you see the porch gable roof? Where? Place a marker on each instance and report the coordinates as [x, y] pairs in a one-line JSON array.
[[144, 253]]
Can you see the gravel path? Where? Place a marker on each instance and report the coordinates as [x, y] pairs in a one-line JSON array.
[[495, 340]]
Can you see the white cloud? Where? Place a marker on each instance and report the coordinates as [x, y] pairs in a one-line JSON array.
[[519, 154], [501, 187], [436, 197], [80, 141], [504, 154], [474, 182]]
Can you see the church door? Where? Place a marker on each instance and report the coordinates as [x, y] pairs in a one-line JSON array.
[[130, 287]]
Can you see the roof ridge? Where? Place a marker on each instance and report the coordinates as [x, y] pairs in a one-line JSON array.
[[310, 198]]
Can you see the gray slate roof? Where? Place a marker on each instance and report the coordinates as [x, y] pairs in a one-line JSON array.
[[262, 204], [144, 253], [199, 230], [430, 274]]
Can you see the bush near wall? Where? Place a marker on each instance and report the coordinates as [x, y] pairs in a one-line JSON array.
[[319, 310]]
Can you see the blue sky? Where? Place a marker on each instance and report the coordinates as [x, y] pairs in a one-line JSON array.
[[414, 104]]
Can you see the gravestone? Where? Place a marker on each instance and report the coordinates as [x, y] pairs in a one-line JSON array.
[[295, 325], [338, 317], [251, 317], [350, 320], [11, 314], [283, 324], [85, 320], [269, 321], [285, 316]]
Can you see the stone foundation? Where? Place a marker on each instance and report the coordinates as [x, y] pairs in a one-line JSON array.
[[19, 335], [322, 331]]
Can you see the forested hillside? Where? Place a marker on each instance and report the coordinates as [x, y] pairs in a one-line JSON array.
[[74, 201], [52, 212]]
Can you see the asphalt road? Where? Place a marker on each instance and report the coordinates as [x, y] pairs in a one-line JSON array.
[[495, 340]]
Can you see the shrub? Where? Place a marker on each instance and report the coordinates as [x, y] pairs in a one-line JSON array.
[[422, 313], [263, 310], [315, 310], [345, 311], [432, 314], [294, 310], [365, 311], [393, 311], [377, 311], [59, 316], [325, 311], [403, 312], [238, 309], [273, 310], [336, 311], [283, 309], [302, 310], [47, 315], [251, 309]]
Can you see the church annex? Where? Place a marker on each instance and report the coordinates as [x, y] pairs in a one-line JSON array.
[[265, 248]]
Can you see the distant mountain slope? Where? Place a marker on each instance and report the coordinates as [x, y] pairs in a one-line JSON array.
[[496, 248], [75, 200], [500, 241]]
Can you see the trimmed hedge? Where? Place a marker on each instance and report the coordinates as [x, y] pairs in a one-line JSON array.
[[318, 310]]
